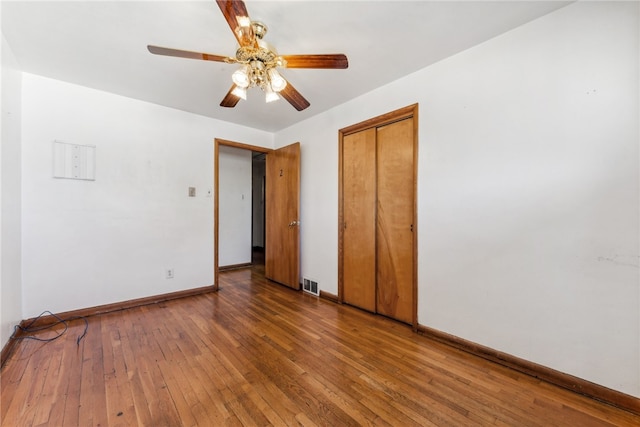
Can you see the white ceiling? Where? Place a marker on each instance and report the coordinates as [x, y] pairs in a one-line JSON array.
[[102, 45]]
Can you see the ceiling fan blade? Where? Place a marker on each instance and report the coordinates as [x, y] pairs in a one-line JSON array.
[[336, 60], [230, 100], [294, 97], [235, 12], [157, 50]]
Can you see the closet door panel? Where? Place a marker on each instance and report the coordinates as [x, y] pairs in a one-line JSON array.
[[394, 224], [359, 210]]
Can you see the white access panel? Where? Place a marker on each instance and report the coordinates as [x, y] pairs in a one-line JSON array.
[[74, 161]]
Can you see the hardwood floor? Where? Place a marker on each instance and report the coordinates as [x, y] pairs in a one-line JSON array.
[[257, 353]]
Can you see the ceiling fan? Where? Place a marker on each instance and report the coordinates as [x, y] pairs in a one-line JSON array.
[[258, 61]]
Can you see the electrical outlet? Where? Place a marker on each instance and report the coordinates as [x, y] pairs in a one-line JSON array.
[[169, 273]]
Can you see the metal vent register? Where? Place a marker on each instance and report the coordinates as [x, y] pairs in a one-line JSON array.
[[310, 286]]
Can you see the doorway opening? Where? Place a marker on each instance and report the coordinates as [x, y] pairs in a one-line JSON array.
[[282, 210], [258, 208], [239, 226]]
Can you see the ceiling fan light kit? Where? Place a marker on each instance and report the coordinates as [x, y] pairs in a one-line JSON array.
[[241, 77], [258, 67], [240, 92], [258, 60], [277, 81]]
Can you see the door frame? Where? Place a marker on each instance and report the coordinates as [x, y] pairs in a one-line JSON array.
[[411, 112], [216, 195]]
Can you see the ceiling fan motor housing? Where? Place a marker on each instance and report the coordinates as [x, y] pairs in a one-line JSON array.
[[247, 54]]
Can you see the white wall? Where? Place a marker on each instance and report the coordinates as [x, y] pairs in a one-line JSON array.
[[91, 243], [528, 191], [234, 212], [10, 221]]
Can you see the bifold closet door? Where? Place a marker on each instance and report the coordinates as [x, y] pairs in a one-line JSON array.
[[394, 224], [359, 219]]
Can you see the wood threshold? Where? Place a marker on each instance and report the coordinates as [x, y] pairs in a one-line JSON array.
[[560, 379], [100, 309]]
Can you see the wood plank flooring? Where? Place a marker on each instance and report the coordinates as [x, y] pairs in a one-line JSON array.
[[257, 353]]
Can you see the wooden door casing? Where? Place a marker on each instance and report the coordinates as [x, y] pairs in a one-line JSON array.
[[282, 214], [216, 197], [394, 282]]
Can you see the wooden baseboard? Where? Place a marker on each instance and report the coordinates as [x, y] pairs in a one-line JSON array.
[[234, 266], [100, 309], [575, 384], [329, 296]]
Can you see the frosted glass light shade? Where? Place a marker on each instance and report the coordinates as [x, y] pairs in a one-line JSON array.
[[240, 92], [270, 95], [277, 81], [241, 77]]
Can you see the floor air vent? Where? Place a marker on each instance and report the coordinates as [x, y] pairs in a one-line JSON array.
[[310, 286]]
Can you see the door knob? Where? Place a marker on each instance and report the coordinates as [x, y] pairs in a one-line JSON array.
[[294, 223]]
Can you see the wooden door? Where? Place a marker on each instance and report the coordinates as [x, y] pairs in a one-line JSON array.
[[282, 216], [394, 224], [359, 219]]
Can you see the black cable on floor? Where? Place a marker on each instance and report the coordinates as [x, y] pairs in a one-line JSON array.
[[28, 329]]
